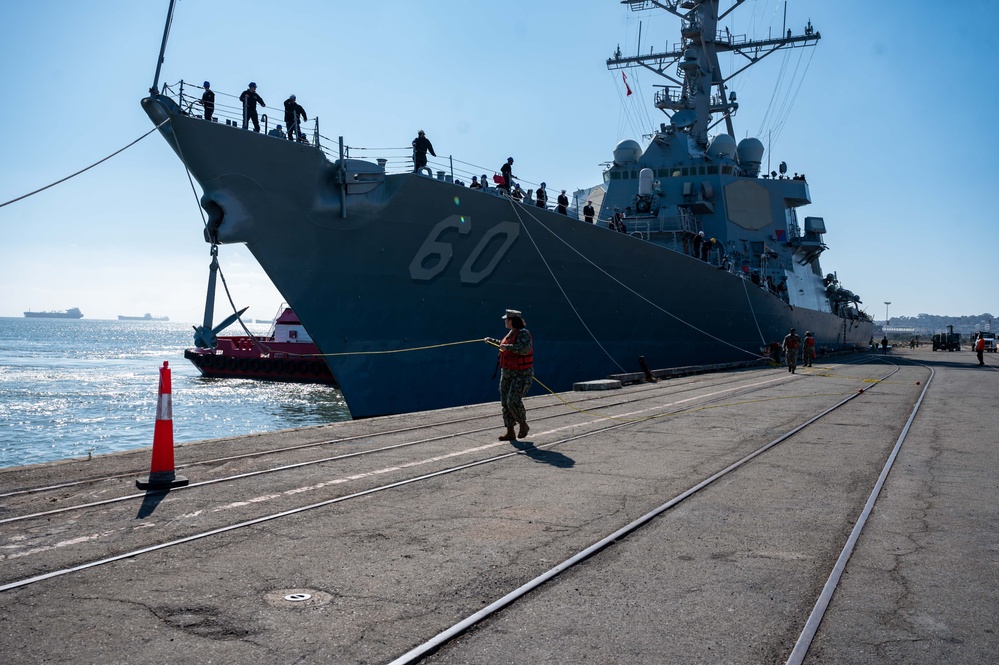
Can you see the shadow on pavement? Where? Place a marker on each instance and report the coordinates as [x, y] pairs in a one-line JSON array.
[[556, 459], [149, 503]]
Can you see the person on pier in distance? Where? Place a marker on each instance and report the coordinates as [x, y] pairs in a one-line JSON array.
[[790, 345]]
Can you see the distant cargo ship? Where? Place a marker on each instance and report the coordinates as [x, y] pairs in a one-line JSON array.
[[72, 313], [146, 317]]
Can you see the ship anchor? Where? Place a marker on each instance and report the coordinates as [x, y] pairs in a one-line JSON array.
[[205, 336]]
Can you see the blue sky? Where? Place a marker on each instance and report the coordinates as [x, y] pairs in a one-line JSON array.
[[888, 117]]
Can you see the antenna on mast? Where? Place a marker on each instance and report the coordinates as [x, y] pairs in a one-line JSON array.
[[159, 63]]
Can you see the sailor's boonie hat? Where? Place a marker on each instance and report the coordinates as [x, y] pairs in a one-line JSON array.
[[512, 314]]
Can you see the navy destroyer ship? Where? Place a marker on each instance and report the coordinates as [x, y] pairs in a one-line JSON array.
[[391, 272]]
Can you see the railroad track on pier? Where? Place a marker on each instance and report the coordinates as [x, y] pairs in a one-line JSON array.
[[590, 406], [586, 401], [430, 648], [631, 419]]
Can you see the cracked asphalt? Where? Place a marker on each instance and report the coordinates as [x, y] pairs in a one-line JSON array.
[[727, 576]]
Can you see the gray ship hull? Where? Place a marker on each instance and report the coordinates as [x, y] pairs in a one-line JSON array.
[[405, 261]]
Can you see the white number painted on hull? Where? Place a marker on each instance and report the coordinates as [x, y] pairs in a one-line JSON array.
[[433, 246], [510, 231]]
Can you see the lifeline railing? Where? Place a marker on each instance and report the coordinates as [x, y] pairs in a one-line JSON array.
[[232, 113], [229, 110]]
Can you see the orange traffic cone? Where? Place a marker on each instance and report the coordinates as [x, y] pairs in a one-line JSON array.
[[161, 473]]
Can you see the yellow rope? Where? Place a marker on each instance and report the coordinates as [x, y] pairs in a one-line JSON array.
[[415, 348], [372, 353], [588, 411]]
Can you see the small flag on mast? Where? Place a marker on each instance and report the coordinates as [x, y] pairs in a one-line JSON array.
[[624, 77]]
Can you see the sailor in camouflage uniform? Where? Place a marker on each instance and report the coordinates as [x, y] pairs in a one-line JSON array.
[[516, 358]]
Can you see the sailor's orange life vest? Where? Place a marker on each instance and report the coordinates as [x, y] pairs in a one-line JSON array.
[[510, 360]]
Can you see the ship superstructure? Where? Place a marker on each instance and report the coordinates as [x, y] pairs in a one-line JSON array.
[[397, 276], [688, 182]]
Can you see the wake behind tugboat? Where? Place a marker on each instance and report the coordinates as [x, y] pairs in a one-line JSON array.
[[714, 264]]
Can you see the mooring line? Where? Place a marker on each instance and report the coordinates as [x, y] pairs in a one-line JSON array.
[[559, 285], [83, 170], [639, 295]]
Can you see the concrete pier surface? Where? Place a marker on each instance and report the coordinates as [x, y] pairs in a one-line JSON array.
[[360, 541]]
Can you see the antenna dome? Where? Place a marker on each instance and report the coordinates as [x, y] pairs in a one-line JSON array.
[[750, 156], [722, 145], [627, 151]]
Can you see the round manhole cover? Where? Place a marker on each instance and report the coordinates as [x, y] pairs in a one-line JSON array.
[[298, 598]]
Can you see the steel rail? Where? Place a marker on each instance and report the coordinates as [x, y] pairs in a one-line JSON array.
[[286, 467], [804, 640], [401, 483], [347, 439], [314, 444], [301, 446], [445, 636]]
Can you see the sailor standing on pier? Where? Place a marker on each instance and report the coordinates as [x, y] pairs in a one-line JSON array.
[[516, 359], [791, 342]]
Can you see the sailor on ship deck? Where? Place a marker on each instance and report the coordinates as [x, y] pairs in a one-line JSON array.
[[421, 146], [507, 172], [250, 99], [294, 114], [208, 101]]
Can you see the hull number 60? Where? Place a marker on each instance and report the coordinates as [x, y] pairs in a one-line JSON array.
[[435, 255]]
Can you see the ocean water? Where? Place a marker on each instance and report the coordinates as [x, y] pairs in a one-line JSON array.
[[72, 388]]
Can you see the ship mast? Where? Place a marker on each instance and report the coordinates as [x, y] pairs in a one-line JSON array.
[[154, 90], [691, 101]]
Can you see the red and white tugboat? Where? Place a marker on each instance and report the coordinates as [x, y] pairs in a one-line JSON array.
[[286, 353]]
